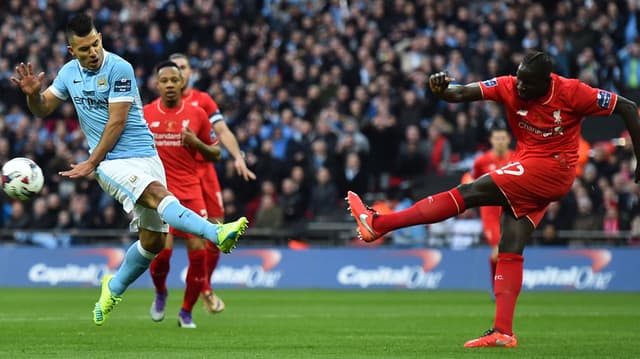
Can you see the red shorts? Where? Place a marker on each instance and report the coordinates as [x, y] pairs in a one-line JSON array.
[[211, 190], [530, 184], [196, 205], [490, 216]]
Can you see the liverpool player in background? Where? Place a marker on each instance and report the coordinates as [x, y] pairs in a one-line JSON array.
[[212, 192], [545, 112], [497, 157], [180, 132]]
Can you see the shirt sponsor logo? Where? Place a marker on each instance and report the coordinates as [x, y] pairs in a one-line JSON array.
[[490, 83], [604, 99], [122, 85], [89, 103], [538, 131]]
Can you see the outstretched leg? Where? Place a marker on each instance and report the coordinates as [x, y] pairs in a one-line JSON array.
[[434, 208]]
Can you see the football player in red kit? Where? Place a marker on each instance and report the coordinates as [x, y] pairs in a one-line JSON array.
[[545, 112], [181, 131], [211, 187]]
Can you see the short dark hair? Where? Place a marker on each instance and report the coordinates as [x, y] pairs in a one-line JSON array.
[[539, 62], [178, 55], [80, 24], [498, 127], [166, 63]]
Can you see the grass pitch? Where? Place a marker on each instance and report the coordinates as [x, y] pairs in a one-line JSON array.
[[56, 323]]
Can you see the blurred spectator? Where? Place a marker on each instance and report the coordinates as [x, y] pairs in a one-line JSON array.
[[291, 202], [269, 214], [324, 197], [352, 176]]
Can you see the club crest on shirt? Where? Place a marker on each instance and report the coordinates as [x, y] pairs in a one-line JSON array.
[[557, 120], [490, 83], [603, 99], [185, 123], [101, 83]]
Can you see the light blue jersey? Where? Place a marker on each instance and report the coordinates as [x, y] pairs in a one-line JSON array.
[[91, 93]]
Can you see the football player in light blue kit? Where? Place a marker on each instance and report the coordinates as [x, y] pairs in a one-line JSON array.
[[103, 89]]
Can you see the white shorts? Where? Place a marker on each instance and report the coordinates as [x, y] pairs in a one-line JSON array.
[[125, 180]]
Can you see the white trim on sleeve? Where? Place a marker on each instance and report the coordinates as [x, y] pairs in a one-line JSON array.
[[121, 99]]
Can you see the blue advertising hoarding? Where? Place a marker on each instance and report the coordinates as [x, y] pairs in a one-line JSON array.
[[603, 269]]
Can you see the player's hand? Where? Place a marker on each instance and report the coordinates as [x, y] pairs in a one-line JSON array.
[[188, 137], [243, 170], [217, 152], [82, 169], [25, 78], [439, 82]]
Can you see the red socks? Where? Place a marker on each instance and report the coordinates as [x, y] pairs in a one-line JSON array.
[[195, 278], [493, 262], [507, 284], [213, 255], [159, 270], [426, 211]]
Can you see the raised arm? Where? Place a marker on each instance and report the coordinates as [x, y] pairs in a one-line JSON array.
[[40, 103], [440, 86], [628, 110]]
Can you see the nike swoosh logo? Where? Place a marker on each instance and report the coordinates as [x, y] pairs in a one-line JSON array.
[[501, 343], [77, 81], [363, 219]]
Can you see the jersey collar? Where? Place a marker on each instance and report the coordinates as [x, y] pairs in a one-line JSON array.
[[552, 91], [164, 110]]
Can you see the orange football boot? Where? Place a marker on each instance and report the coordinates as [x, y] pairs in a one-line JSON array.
[[364, 217], [493, 338]]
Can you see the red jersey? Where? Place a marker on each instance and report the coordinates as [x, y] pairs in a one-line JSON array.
[[488, 162], [549, 125], [204, 101], [179, 161]]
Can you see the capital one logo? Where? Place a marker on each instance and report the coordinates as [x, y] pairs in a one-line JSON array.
[[416, 273], [574, 276], [90, 273], [259, 271]]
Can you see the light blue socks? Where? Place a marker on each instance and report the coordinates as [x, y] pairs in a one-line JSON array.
[[136, 262], [186, 220]]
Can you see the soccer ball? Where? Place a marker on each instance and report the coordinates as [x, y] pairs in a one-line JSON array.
[[21, 178]]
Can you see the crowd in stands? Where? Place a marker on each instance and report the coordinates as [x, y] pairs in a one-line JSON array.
[[326, 96]]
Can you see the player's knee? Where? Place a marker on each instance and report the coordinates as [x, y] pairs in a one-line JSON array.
[[153, 194], [513, 244], [153, 242]]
